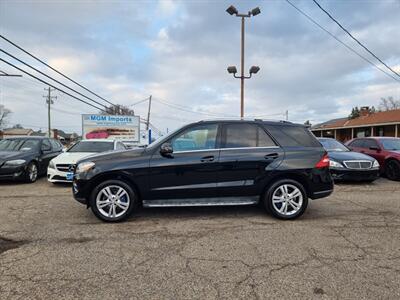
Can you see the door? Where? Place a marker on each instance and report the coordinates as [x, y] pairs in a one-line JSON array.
[[248, 155], [191, 170], [372, 148]]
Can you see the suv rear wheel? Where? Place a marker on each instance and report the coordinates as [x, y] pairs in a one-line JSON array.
[[113, 200], [286, 199]]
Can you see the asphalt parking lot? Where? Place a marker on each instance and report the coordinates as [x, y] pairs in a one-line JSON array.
[[345, 246]]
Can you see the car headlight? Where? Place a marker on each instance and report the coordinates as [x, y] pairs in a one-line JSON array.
[[51, 165], [15, 162], [84, 167], [375, 164], [335, 164]]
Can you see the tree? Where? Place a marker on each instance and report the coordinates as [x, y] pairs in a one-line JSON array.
[[355, 113], [307, 124], [4, 114], [118, 110], [389, 104]]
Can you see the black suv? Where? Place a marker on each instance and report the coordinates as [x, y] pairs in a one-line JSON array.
[[25, 158], [280, 164]]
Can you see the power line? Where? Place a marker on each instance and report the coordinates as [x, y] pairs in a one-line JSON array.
[[340, 41], [58, 72], [358, 42], [141, 101], [45, 82], [40, 72]]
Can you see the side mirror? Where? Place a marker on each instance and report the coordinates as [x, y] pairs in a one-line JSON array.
[[376, 148], [166, 150]]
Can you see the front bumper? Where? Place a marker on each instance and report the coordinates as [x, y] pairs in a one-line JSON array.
[[354, 175], [54, 175], [12, 173]]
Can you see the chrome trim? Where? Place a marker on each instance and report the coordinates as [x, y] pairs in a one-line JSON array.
[[222, 201], [222, 149], [207, 185], [359, 164]]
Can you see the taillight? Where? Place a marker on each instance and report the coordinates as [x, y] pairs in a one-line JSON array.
[[323, 162]]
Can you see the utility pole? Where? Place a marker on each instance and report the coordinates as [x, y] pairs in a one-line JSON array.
[[287, 115], [148, 114], [49, 101]]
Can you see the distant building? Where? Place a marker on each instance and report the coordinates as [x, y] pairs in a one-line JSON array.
[[383, 123], [15, 132]]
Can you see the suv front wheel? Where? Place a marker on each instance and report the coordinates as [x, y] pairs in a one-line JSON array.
[[286, 199], [113, 200]]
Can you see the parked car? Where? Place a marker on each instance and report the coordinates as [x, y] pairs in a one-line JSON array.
[[384, 149], [61, 168], [26, 158], [348, 165], [227, 163]]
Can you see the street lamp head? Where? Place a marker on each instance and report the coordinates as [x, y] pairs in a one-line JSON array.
[[232, 10], [255, 11], [254, 70], [232, 70]]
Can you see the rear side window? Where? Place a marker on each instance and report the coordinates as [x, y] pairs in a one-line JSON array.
[[246, 135], [357, 143], [293, 136]]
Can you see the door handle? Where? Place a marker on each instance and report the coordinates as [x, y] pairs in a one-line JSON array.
[[207, 158], [271, 156]]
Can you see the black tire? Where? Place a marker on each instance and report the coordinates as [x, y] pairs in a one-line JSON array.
[[392, 170], [113, 185], [291, 213], [31, 172]]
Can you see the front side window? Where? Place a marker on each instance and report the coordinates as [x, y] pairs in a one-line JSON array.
[[370, 143], [200, 137], [357, 143], [246, 135], [46, 146]]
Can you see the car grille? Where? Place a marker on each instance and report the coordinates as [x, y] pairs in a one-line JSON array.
[[358, 164], [65, 167]]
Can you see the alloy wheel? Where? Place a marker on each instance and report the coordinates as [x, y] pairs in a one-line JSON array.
[[32, 172], [287, 199], [112, 201]]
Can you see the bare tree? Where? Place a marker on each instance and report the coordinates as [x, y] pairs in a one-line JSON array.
[[4, 114], [389, 104], [118, 110]]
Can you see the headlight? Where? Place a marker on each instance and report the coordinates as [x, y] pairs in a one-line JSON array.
[[375, 164], [51, 165], [84, 167], [16, 162], [335, 164]]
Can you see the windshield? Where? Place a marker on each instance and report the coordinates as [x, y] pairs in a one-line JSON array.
[[18, 145], [91, 146], [391, 144], [333, 145]]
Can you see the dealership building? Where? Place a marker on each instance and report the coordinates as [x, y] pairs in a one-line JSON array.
[[383, 123]]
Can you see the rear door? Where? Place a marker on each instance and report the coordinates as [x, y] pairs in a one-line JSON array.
[[248, 155]]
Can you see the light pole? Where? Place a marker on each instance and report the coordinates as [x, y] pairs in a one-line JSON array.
[[232, 69]]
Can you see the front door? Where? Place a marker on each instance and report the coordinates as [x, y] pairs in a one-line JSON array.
[[248, 155], [191, 170]]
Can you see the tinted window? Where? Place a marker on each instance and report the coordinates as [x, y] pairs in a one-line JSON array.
[[357, 143], [45, 145], [289, 135], [370, 143], [56, 145], [391, 144], [92, 146], [196, 138], [246, 135]]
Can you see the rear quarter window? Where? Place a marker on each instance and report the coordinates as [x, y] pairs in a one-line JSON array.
[[293, 136]]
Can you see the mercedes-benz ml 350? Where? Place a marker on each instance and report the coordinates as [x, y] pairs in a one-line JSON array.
[[221, 162]]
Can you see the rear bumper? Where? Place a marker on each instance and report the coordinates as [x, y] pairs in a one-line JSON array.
[[354, 175]]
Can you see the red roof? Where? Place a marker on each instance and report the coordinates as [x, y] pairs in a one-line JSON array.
[[382, 117]]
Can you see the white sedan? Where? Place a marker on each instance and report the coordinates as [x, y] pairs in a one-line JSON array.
[[61, 168]]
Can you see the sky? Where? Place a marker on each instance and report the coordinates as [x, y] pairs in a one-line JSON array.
[[178, 52]]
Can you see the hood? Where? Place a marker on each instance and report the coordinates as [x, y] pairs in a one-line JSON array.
[[349, 155], [115, 155], [71, 157], [9, 155]]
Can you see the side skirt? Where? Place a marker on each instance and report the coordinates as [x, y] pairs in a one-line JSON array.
[[222, 201]]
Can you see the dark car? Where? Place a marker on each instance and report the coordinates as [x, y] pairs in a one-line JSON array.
[[346, 165], [386, 150], [228, 163], [26, 158]]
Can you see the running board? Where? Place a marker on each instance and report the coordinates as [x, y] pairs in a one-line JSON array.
[[201, 202]]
